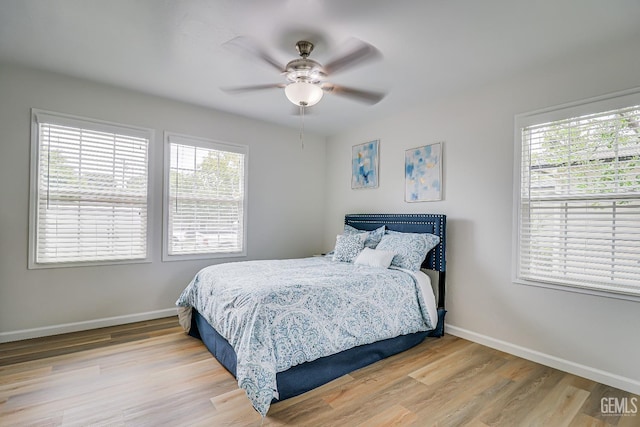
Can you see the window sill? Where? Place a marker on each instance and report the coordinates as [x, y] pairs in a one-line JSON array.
[[579, 290], [195, 257], [41, 266]]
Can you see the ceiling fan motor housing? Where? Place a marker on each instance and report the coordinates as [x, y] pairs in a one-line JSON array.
[[304, 69]]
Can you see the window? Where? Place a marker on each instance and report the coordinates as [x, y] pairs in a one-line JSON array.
[[89, 192], [205, 204], [579, 196]]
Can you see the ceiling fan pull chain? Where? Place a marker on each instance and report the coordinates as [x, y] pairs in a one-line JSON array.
[[302, 125]]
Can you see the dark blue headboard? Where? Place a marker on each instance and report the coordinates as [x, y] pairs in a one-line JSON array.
[[412, 223]]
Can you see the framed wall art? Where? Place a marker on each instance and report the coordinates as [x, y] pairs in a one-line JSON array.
[[364, 165], [423, 173]]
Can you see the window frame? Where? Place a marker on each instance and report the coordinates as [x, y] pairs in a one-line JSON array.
[[613, 101], [34, 175], [166, 171]]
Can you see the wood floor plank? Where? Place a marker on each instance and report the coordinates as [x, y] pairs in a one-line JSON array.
[[559, 407], [313, 398], [451, 365], [358, 410], [151, 373], [583, 420], [474, 392], [397, 415], [593, 406], [630, 420], [514, 401]]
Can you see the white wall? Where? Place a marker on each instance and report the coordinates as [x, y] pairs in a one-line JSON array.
[[284, 220], [589, 335]]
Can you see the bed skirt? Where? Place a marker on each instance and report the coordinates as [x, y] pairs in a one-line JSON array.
[[307, 376]]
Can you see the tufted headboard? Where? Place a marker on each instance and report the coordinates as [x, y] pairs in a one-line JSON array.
[[412, 223]]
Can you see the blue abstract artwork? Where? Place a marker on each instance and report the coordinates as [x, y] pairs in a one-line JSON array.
[[364, 165], [423, 173]]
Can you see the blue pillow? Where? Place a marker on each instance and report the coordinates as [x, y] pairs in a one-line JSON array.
[[411, 249], [373, 237], [348, 246]]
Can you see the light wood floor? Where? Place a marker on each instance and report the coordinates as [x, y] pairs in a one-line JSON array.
[[152, 374]]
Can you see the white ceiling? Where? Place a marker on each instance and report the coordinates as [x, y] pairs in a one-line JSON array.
[[430, 48]]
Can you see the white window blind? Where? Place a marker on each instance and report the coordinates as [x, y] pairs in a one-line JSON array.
[[579, 213], [90, 191], [206, 206]]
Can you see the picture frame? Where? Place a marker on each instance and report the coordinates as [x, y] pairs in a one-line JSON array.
[[423, 173], [365, 160]]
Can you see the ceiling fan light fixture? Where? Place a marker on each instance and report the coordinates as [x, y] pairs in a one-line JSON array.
[[303, 93]]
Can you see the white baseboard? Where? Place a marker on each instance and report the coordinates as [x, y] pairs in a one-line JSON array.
[[86, 325], [598, 375]]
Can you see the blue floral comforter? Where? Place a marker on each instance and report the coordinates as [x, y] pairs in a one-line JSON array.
[[280, 313]]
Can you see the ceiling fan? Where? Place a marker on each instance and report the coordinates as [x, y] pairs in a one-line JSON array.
[[305, 79]]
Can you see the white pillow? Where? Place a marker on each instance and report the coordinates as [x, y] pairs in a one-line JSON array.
[[375, 258]]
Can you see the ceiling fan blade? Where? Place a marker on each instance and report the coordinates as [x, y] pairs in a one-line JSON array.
[[359, 53], [366, 96], [242, 89], [251, 47]]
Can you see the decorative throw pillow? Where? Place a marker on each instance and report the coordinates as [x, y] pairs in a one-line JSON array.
[[410, 248], [373, 236], [374, 258], [348, 246]]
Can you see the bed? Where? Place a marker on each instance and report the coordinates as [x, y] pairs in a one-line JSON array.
[[295, 332]]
